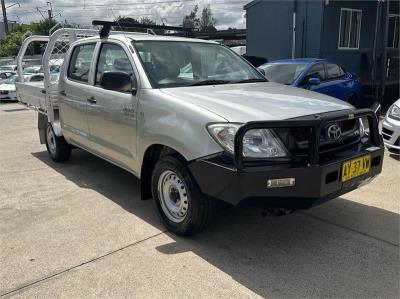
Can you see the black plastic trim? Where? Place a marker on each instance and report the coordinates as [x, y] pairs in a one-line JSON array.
[[218, 177]]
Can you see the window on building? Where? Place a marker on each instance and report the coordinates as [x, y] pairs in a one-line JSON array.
[[393, 31], [350, 27]]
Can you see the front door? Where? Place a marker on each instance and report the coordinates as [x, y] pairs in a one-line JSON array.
[[112, 114]]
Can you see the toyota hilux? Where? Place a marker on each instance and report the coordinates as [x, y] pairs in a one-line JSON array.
[[197, 124]]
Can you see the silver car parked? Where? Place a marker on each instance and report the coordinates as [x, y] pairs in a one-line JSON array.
[[391, 129]]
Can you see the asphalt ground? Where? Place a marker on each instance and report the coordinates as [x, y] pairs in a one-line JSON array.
[[79, 229]]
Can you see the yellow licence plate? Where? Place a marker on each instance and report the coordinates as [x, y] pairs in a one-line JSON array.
[[355, 167]]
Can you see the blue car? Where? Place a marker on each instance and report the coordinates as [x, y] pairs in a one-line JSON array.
[[318, 75]]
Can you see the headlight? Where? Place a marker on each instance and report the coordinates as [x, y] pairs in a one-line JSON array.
[[394, 112], [257, 143]]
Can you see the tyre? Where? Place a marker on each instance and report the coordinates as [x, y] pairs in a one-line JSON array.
[[183, 207], [58, 149]]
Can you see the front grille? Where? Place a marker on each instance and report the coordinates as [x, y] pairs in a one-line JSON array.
[[297, 139], [386, 133], [4, 91]]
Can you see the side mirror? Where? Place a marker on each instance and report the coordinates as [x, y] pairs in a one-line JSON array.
[[261, 71], [118, 81], [314, 81], [377, 108]]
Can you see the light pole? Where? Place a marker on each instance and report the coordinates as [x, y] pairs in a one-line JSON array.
[[3, 8]]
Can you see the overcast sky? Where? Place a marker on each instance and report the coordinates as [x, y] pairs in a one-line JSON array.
[[229, 13]]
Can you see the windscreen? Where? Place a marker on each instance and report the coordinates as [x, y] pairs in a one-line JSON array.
[[176, 64], [283, 73], [11, 80]]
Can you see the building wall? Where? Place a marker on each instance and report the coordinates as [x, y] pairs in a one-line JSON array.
[[360, 60], [270, 25], [269, 29], [308, 28]]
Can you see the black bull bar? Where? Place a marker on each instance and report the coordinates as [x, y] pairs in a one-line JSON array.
[[316, 123]]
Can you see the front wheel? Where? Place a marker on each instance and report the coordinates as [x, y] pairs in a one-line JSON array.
[[58, 149], [183, 207]]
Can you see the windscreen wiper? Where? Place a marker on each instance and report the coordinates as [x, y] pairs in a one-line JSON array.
[[250, 80], [208, 82]]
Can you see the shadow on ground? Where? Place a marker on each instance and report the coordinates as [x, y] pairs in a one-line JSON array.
[[301, 255]]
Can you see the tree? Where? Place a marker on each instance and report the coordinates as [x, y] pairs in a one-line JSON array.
[[143, 20], [207, 21], [11, 44], [191, 20], [43, 27]]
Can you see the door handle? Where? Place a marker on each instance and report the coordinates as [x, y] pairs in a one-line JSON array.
[[62, 92], [91, 100]]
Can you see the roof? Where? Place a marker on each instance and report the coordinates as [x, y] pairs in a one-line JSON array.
[[298, 60], [250, 4]]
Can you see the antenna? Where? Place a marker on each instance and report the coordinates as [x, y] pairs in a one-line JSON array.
[[105, 30]]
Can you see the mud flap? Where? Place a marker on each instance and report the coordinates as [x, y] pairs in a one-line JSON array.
[[42, 123]]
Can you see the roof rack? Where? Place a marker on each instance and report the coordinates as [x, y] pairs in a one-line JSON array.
[[105, 30]]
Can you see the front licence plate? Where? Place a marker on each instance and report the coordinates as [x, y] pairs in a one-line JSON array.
[[355, 167]]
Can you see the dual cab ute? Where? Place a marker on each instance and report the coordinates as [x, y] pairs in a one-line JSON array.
[[197, 123]]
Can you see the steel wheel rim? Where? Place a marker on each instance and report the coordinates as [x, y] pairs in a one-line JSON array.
[[51, 141], [173, 196]]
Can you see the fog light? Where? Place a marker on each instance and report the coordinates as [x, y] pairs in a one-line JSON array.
[[279, 183]]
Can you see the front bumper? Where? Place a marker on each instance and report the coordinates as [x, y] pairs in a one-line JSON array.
[[314, 184], [235, 181], [391, 134], [11, 96]]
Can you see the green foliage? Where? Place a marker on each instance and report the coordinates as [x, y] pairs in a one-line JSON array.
[[191, 20], [11, 44], [205, 23], [142, 20]]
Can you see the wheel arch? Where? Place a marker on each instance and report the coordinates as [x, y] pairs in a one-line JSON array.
[[150, 157]]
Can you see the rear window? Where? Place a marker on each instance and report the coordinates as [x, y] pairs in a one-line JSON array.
[[79, 65], [283, 73]]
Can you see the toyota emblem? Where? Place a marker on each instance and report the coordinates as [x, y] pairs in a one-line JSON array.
[[334, 132]]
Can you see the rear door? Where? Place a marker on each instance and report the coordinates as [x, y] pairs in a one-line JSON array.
[[112, 114], [74, 94]]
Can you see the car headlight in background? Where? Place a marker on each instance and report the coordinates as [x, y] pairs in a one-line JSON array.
[[394, 112], [257, 143], [361, 127]]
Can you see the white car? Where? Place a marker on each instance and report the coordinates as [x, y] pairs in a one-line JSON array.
[[9, 67], [33, 69], [4, 75], [7, 88], [391, 128]]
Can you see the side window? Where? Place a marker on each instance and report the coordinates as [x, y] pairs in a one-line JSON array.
[[79, 65], [113, 59], [333, 71], [316, 71]]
